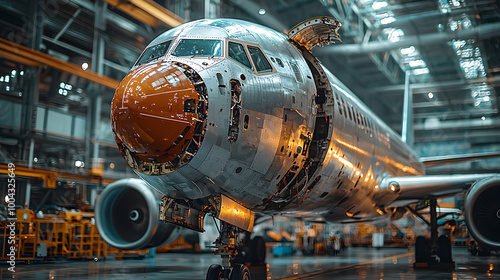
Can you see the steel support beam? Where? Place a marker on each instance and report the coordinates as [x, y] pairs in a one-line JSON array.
[[407, 125], [159, 12], [12, 50], [485, 31]]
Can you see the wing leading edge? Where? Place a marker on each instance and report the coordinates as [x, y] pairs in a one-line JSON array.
[[422, 187]]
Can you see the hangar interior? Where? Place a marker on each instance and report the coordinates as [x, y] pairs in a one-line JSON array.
[[61, 59]]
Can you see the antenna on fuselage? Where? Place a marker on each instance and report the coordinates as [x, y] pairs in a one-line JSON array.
[[407, 134]]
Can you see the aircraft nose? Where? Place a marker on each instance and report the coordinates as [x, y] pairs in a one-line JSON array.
[[155, 116]]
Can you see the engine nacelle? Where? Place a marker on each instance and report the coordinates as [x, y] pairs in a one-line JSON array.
[[126, 216], [482, 211]]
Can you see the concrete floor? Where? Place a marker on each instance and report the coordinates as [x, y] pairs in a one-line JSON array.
[[355, 263]]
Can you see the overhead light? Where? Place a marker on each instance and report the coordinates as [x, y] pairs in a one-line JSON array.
[[483, 118], [85, 66], [420, 71], [13, 73], [417, 63], [387, 20], [393, 34], [79, 163], [430, 95], [379, 5], [408, 51], [486, 98], [262, 11]]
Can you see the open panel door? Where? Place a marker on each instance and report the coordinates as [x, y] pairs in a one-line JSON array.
[[315, 31]]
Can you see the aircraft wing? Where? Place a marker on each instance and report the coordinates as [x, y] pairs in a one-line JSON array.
[[429, 161], [421, 187]]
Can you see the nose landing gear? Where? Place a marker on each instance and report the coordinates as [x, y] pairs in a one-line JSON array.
[[227, 248]]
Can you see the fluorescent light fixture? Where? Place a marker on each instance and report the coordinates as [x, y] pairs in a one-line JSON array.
[[387, 20], [420, 71], [417, 63], [410, 51], [379, 5], [393, 34]]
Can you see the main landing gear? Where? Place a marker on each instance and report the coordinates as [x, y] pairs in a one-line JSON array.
[[434, 251], [235, 254]]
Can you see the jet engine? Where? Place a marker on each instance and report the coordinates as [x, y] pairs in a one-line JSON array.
[[126, 216], [482, 211]]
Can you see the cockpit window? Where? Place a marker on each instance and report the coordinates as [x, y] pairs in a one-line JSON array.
[[154, 52], [237, 52], [198, 47], [259, 60]]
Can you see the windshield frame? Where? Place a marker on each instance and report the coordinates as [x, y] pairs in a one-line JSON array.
[[170, 41], [220, 41]]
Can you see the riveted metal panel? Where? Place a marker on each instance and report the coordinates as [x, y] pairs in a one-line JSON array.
[[215, 161], [269, 140]]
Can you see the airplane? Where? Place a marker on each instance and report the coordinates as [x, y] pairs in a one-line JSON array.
[[232, 119]]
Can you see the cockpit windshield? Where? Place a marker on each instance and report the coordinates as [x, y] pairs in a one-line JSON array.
[[154, 52], [198, 47]]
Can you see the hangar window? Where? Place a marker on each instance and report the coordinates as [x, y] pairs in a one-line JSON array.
[[237, 52], [259, 60], [153, 52], [198, 47]]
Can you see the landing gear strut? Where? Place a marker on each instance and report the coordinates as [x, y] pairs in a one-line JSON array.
[[434, 251], [227, 247]]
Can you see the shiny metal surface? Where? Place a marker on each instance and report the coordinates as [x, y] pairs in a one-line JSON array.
[[482, 213], [355, 263], [231, 212], [284, 135], [127, 217]]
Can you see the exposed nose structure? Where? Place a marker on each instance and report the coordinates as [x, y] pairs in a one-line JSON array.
[[158, 114]]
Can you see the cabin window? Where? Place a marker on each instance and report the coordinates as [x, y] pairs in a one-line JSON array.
[[259, 60], [198, 47], [345, 108], [339, 106], [237, 52], [280, 63], [153, 52], [351, 110]]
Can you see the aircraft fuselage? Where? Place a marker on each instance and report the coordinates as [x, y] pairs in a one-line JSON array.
[[276, 132]]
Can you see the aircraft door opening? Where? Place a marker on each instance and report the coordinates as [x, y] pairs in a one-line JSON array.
[[235, 111]]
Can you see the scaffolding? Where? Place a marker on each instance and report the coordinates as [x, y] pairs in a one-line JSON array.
[[66, 235]]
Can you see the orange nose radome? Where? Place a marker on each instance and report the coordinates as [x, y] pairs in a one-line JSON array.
[[157, 116]]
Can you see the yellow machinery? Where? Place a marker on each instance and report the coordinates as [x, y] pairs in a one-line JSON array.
[[67, 235]]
